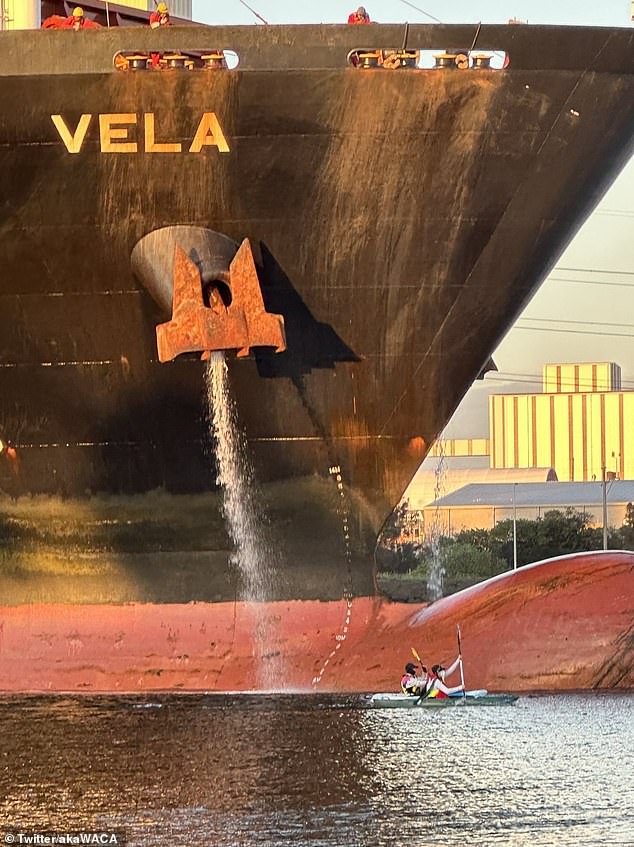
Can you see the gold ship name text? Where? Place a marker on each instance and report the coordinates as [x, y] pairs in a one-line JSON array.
[[119, 133]]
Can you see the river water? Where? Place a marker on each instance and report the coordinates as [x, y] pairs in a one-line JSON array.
[[233, 770]]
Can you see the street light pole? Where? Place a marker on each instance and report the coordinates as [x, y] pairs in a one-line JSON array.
[[514, 529], [605, 512]]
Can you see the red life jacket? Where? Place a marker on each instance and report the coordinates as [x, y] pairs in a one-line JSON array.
[[436, 693]]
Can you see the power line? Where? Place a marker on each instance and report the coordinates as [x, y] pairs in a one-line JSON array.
[[534, 377], [592, 271], [576, 331], [616, 213], [580, 387], [581, 384], [592, 282], [585, 323]]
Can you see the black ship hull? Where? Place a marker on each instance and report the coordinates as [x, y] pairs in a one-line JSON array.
[[401, 222]]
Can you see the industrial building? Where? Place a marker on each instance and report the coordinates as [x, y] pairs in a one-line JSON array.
[[28, 14], [580, 427], [482, 505], [178, 8]]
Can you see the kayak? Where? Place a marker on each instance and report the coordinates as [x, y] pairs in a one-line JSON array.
[[481, 697]]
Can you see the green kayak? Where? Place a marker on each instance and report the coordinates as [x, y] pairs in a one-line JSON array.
[[408, 701]]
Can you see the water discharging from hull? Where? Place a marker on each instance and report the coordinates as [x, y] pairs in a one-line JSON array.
[[245, 521], [436, 572]]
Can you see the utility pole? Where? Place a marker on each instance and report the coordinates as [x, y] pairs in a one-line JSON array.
[[605, 511], [514, 529]]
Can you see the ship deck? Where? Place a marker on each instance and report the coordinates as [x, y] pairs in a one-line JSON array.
[[323, 46]]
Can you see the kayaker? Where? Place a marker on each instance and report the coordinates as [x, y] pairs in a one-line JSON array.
[[435, 686], [359, 17], [411, 683]]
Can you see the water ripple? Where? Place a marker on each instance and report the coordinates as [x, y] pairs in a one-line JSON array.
[[233, 770]]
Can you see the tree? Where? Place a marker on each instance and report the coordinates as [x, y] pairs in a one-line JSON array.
[[479, 538], [474, 555], [555, 534], [393, 553], [625, 537], [466, 564]]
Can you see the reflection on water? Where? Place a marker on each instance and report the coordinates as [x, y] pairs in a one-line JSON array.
[[306, 770]]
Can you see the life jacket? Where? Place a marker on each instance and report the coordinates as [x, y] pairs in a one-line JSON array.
[[436, 693], [404, 680]]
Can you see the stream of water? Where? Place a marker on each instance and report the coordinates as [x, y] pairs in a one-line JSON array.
[[436, 572], [244, 515]]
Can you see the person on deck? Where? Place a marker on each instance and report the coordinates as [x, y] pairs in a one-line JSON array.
[[359, 17], [435, 686], [160, 17], [410, 682], [79, 21]]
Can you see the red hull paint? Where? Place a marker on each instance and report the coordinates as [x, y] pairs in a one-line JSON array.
[[559, 625]]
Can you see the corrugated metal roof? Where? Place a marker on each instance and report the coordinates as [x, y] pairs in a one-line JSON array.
[[423, 487], [556, 494]]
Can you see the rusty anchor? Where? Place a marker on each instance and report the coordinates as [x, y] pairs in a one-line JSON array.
[[240, 325]]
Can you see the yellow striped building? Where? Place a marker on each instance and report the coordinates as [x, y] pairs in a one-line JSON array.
[[581, 424], [178, 8], [27, 14]]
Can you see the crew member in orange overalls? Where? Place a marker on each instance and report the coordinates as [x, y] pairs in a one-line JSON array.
[[79, 21], [160, 17], [359, 17]]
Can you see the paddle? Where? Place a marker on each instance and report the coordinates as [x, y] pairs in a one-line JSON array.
[[464, 693], [420, 661]]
